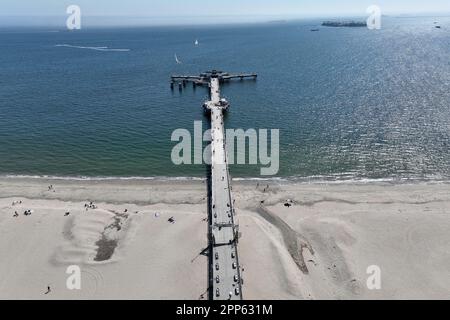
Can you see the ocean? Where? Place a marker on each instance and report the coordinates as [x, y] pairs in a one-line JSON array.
[[350, 103]]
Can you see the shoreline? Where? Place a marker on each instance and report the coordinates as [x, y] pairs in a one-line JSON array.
[[157, 190], [286, 179], [319, 247]]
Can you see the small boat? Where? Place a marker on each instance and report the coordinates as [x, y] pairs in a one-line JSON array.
[[176, 59], [196, 42], [438, 27], [314, 30]]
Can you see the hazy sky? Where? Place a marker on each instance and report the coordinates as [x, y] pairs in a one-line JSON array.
[[191, 8]]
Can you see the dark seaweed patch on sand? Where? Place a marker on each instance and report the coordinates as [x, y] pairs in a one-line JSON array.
[[108, 244]]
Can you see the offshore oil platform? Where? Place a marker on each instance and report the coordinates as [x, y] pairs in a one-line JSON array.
[[224, 272]]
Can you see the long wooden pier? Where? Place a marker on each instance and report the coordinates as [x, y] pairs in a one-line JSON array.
[[224, 276]]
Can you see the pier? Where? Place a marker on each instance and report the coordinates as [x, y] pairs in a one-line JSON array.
[[204, 78], [225, 281]]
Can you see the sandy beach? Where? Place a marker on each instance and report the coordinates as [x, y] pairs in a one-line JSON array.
[[318, 247]]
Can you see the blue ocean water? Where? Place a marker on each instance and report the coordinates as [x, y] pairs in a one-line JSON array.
[[350, 103]]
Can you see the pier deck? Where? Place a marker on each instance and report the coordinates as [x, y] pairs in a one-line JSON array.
[[225, 272], [225, 282], [204, 78]]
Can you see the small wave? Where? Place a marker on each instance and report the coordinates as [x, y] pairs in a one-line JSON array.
[[347, 179], [93, 48], [291, 179], [99, 178], [260, 179]]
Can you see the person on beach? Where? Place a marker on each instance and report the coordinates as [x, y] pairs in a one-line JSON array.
[[91, 205], [48, 290], [15, 214]]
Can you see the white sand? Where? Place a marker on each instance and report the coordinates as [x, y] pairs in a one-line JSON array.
[[319, 248]]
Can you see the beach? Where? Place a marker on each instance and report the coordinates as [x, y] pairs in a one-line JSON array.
[[298, 240]]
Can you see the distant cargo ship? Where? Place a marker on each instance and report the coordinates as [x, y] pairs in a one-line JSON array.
[[344, 24]]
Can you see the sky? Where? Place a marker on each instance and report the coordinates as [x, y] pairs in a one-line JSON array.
[[171, 10]]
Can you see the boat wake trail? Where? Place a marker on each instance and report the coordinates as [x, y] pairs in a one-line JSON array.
[[93, 48]]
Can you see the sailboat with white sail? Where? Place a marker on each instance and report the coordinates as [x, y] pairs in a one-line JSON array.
[[177, 60]]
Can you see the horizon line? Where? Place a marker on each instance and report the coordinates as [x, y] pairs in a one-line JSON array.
[[190, 20]]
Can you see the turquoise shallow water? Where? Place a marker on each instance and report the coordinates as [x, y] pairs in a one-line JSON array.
[[350, 103]]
